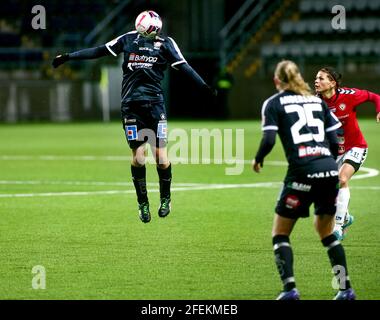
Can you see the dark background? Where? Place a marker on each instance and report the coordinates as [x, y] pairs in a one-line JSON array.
[[245, 56]]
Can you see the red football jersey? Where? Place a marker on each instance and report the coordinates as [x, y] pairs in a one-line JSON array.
[[343, 104]]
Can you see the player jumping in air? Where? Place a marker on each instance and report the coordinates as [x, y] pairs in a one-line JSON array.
[[146, 56], [307, 130], [352, 146]]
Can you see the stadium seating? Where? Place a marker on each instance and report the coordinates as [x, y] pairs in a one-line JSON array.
[[67, 24], [296, 49], [309, 28], [311, 35], [9, 39], [312, 7]]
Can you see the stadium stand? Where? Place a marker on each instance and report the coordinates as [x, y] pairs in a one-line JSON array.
[[258, 34], [310, 7], [311, 34], [67, 25], [302, 30], [83, 89]]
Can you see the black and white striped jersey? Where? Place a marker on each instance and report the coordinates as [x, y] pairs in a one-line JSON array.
[[145, 61]]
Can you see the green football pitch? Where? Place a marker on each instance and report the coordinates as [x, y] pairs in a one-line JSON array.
[[70, 229]]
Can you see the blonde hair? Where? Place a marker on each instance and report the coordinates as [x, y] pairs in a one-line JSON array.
[[291, 79]]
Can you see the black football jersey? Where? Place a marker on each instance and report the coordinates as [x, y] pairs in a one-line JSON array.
[[302, 123], [145, 61]]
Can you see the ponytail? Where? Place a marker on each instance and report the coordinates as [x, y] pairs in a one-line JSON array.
[[291, 79]]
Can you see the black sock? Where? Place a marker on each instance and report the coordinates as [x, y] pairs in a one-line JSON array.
[[337, 257], [165, 176], [139, 180], [284, 260]]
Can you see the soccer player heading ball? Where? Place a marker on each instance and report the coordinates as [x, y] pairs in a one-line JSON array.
[[146, 56], [307, 130]]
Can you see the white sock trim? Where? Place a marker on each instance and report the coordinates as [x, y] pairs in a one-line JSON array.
[[333, 244], [288, 280], [281, 244]]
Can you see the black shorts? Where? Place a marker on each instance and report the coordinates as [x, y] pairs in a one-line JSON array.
[[298, 194], [144, 121]]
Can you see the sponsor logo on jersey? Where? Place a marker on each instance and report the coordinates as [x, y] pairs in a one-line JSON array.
[[131, 132], [343, 116], [136, 41], [300, 186], [323, 174], [145, 49], [346, 91], [142, 58], [342, 106], [129, 120], [137, 61], [157, 45], [292, 202], [307, 151]]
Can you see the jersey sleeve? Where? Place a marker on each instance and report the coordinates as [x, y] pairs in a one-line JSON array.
[[115, 46], [360, 96], [364, 96], [269, 116], [174, 54]]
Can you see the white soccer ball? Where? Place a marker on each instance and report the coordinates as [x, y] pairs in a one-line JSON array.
[[148, 24]]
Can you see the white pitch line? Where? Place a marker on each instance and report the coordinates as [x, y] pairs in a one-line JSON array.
[[79, 183], [63, 194], [68, 158], [190, 187], [112, 192], [369, 171], [365, 187], [149, 159]]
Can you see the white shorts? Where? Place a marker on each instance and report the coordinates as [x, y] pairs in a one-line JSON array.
[[354, 156]]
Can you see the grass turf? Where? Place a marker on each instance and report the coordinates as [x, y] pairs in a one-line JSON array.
[[216, 243]]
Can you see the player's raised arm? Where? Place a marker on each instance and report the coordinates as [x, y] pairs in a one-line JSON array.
[[90, 53], [178, 62], [194, 76]]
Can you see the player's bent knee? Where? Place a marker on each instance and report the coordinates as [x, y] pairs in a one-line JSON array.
[[138, 161], [324, 225], [163, 165], [343, 181]]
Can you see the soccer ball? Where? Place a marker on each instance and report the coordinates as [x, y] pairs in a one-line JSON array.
[[148, 24]]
